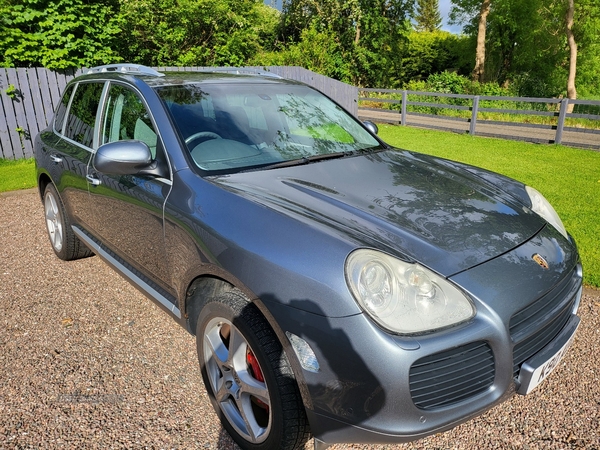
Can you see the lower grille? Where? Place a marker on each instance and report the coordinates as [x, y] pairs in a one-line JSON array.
[[451, 376], [536, 325]]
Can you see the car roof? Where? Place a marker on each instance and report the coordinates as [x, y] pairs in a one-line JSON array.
[[156, 78]]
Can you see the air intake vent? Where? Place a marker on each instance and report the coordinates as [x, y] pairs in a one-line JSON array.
[[452, 376]]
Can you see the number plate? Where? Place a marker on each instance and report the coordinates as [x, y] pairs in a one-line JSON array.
[[537, 369]]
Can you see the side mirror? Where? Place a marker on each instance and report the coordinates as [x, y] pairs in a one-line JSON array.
[[125, 158], [371, 126]]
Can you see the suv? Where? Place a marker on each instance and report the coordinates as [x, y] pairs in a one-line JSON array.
[[335, 285]]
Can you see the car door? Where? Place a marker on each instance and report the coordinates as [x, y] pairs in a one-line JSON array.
[[69, 147], [128, 209]]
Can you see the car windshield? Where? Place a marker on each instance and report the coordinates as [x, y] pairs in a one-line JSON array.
[[233, 127]]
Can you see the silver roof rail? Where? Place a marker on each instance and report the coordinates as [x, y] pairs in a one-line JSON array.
[[134, 69], [241, 71]]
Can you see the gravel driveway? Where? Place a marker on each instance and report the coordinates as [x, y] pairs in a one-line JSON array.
[[88, 362]]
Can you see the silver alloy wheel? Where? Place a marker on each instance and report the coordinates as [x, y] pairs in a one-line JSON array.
[[54, 221], [240, 393]]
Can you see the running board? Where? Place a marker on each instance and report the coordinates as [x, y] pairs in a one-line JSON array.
[[127, 273]]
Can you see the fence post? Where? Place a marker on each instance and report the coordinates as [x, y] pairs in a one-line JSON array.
[[474, 115], [562, 115], [403, 112]]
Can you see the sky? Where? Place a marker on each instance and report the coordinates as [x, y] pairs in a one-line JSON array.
[[444, 10]]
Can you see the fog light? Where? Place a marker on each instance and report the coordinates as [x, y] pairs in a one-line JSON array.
[[305, 354]]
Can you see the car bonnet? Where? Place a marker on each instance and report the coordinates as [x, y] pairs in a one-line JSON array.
[[415, 208]]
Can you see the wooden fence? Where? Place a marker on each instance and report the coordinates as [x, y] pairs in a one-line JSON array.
[[542, 120], [28, 98]]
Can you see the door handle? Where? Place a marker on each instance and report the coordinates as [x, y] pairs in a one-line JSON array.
[[55, 159], [92, 179]]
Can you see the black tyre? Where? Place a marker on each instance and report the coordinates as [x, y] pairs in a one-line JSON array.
[[65, 243], [248, 376]]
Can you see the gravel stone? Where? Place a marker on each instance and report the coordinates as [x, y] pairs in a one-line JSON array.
[[86, 361]]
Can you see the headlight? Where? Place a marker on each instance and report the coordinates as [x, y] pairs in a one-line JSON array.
[[404, 298], [541, 206]]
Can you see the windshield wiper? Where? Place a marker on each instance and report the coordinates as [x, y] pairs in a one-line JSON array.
[[306, 160]]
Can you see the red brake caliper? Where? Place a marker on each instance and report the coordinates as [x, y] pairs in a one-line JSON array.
[[256, 373]]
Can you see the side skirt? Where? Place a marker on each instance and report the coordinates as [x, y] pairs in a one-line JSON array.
[[128, 274]]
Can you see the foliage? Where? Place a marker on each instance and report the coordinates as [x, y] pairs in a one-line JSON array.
[[363, 42], [427, 53], [368, 34], [195, 32], [57, 34], [527, 48], [568, 177], [316, 50], [427, 15]]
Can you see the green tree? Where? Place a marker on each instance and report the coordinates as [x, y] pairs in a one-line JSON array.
[[368, 34], [427, 15], [316, 50], [527, 43], [428, 53], [196, 32], [57, 34]]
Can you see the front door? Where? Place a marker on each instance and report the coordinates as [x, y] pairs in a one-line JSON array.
[[128, 209]]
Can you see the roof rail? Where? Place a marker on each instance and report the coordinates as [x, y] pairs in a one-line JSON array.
[[240, 71], [135, 69]]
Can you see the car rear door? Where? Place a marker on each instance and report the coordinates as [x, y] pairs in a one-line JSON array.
[[71, 147]]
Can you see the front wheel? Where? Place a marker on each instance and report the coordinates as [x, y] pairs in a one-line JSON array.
[[248, 376]]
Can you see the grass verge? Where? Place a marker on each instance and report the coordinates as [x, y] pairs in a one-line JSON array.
[[569, 178], [16, 174]]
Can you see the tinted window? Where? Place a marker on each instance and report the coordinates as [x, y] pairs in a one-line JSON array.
[[126, 118], [82, 115], [59, 117]]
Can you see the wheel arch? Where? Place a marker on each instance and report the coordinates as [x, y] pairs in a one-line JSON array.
[[207, 286], [43, 181]]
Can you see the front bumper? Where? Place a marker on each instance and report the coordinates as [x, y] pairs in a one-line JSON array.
[[377, 388]]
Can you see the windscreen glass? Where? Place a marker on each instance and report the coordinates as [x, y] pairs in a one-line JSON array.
[[229, 128]]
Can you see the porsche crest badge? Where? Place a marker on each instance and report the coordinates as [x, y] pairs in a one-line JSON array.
[[540, 260]]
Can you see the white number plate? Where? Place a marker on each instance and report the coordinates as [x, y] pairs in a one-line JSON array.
[[541, 372]]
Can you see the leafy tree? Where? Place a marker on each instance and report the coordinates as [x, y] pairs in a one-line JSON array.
[[57, 34], [196, 32], [527, 43], [368, 34], [586, 29], [316, 50], [428, 53], [427, 15], [476, 12]]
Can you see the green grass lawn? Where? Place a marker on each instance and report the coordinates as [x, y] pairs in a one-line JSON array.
[[568, 177], [16, 174]]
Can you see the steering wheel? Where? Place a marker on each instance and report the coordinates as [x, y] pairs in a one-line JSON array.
[[201, 134]]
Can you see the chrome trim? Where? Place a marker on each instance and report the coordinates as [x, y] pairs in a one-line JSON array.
[[137, 281]]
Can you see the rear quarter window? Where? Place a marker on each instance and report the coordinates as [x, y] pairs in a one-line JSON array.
[[82, 115], [59, 116]]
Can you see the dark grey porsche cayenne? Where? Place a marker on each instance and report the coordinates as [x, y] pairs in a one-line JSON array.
[[337, 288]]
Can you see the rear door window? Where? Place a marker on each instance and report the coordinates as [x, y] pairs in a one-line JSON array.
[[82, 115]]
